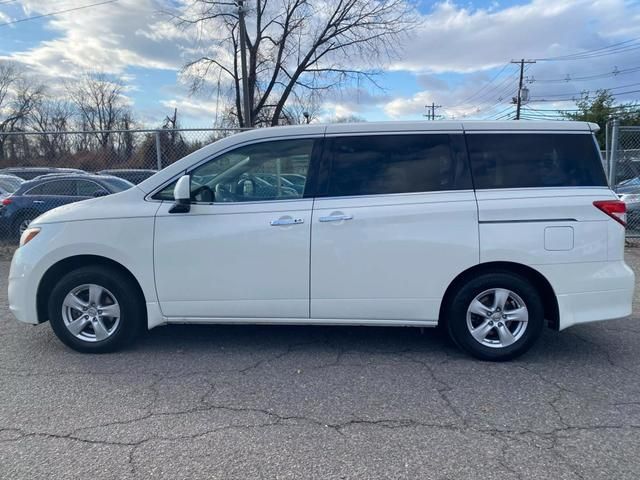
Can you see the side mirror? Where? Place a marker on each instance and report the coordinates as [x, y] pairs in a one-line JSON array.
[[182, 195]]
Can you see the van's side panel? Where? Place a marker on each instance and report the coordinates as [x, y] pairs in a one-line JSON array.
[[395, 258], [561, 234], [543, 226]]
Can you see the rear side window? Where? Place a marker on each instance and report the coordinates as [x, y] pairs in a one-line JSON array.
[[55, 187], [520, 160], [384, 164]]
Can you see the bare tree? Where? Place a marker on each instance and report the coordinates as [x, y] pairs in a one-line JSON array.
[[100, 105], [293, 45], [53, 119], [18, 98]]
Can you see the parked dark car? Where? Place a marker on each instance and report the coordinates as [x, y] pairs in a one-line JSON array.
[[36, 197], [133, 175], [29, 173]]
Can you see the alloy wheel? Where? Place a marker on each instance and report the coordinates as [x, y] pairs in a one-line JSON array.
[[91, 313], [497, 318]]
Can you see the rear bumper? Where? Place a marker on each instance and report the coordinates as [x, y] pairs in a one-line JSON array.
[[591, 291], [588, 307]]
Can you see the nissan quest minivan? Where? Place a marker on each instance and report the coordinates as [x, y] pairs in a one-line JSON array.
[[491, 230]]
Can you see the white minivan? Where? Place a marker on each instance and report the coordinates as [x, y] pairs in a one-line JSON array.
[[490, 229]]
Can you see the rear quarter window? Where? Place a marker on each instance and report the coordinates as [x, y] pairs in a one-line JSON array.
[[521, 160]]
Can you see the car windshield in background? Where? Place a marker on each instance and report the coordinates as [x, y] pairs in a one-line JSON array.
[[9, 184], [118, 184]]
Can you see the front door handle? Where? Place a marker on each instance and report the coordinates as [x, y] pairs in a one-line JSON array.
[[335, 218], [286, 221], [38, 201]]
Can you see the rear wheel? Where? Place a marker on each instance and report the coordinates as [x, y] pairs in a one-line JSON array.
[[96, 309], [496, 316]]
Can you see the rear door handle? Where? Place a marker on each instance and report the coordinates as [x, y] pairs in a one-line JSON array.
[[335, 218], [286, 221], [38, 201]]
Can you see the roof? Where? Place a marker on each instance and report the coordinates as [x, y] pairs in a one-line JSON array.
[[32, 168], [415, 126], [70, 176]]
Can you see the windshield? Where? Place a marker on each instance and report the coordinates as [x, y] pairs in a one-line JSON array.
[[10, 185]]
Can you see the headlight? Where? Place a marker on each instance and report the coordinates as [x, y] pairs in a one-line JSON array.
[[28, 235]]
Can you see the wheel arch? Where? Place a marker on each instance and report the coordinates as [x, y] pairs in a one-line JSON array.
[[69, 264], [539, 281]]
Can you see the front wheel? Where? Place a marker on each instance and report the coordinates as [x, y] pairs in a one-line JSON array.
[[21, 223], [96, 309], [497, 316]]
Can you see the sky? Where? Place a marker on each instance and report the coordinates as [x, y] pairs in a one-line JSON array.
[[457, 57]]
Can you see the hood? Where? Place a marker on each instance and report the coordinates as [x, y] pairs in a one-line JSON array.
[[127, 204]]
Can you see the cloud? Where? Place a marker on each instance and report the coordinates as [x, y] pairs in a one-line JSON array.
[[457, 52], [191, 108], [108, 38], [461, 39]]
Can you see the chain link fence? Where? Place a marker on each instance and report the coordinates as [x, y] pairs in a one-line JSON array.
[[623, 168], [56, 165], [43, 170]]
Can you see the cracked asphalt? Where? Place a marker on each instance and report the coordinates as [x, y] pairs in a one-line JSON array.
[[196, 402]]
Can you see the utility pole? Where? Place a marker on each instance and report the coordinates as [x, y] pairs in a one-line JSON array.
[[431, 115], [243, 58], [518, 99]]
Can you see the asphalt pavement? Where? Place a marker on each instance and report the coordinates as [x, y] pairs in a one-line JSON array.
[[274, 402]]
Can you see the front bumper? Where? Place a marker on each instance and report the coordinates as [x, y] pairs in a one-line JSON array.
[[22, 294]]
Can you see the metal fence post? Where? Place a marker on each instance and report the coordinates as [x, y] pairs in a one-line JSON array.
[[613, 155], [606, 146], [158, 151]]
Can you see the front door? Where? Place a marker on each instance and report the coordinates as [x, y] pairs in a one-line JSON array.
[[242, 252]]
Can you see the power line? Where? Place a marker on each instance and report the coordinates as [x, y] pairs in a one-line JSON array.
[[499, 91], [486, 84], [569, 78], [571, 96], [503, 93], [608, 50], [494, 115], [35, 17]]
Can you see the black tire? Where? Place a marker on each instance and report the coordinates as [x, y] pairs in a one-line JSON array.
[[15, 226], [457, 316], [121, 287]]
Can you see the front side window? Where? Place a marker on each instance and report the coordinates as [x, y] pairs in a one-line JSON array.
[[385, 164], [252, 173], [520, 160], [90, 189]]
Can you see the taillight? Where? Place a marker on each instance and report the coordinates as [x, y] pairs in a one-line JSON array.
[[616, 209], [6, 201]]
